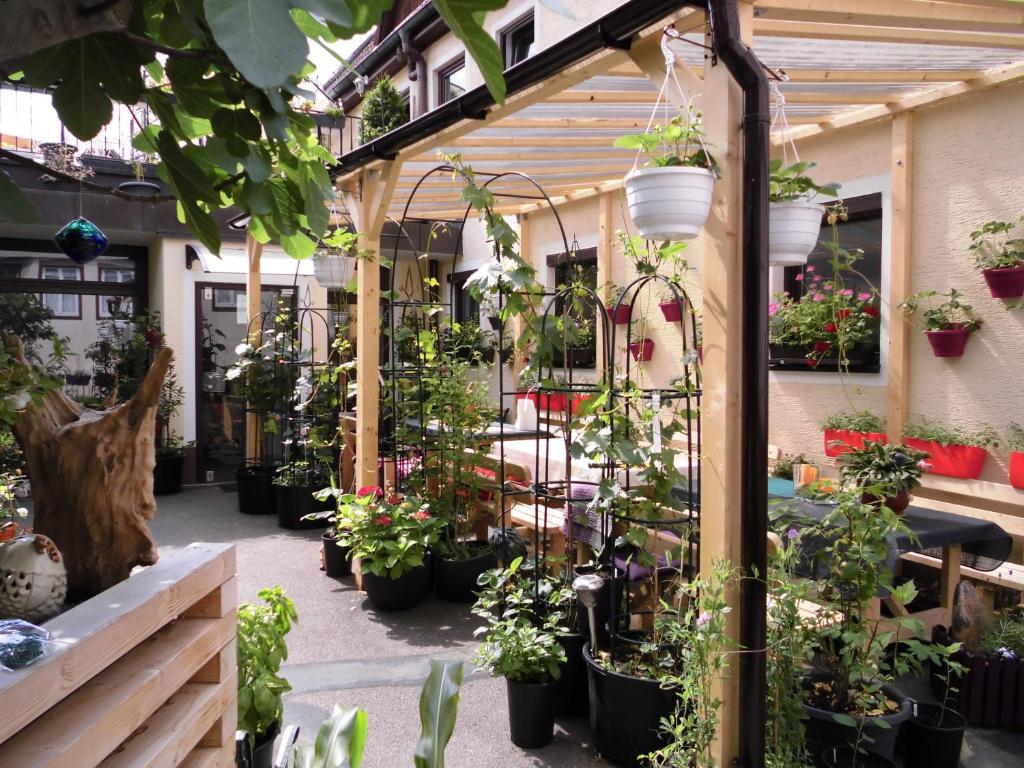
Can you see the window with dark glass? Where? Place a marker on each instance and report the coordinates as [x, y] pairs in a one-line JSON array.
[[579, 269], [451, 81], [862, 230], [119, 306], [464, 306], [517, 41]]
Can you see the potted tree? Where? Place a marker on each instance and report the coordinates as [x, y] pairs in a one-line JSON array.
[[261, 649], [670, 198], [947, 324], [953, 451], [794, 222], [1000, 258], [847, 430], [895, 470], [1015, 442]]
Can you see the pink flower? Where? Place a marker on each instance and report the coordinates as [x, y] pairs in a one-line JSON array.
[[421, 514], [800, 276], [369, 490], [819, 297], [703, 619], [773, 308], [863, 297], [810, 268], [846, 292]]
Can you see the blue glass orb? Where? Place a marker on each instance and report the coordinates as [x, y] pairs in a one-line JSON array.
[[81, 240]]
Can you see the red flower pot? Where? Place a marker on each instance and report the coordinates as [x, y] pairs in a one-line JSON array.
[[619, 315], [578, 400], [948, 343], [554, 401], [1005, 283], [1017, 469], [839, 441], [642, 350], [672, 310], [963, 461]]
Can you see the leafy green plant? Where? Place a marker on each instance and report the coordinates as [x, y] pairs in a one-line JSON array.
[[949, 314], [994, 248], [854, 421], [785, 465], [1015, 437], [22, 383], [172, 446], [534, 595], [11, 512], [1005, 633], [787, 183], [383, 111], [926, 429], [680, 142], [300, 472], [893, 468], [261, 649], [25, 316]]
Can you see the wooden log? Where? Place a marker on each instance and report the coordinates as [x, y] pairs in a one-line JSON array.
[[92, 478]]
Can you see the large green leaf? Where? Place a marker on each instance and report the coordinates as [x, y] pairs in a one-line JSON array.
[[339, 742], [14, 206], [260, 38], [465, 19], [82, 104], [336, 11], [197, 93], [439, 705], [365, 13], [190, 186]]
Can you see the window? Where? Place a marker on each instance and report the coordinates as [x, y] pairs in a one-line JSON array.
[[517, 41], [451, 81], [407, 104], [109, 306], [464, 306], [66, 305], [580, 270], [863, 230]]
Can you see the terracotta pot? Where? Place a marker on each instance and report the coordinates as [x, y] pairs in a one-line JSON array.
[[1017, 469], [897, 503], [642, 350], [840, 441], [672, 310], [619, 315], [1005, 283], [948, 343], [963, 461]]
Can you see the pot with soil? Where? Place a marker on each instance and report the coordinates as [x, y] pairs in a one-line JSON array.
[[897, 503], [933, 737], [824, 730], [400, 594], [531, 713], [256, 489], [337, 559], [456, 578], [846, 757], [571, 690], [294, 502], [263, 748]]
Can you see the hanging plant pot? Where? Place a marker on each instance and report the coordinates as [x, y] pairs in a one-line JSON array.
[[793, 231], [672, 311], [331, 269], [929, 742], [455, 580], [963, 461], [167, 475], [949, 342], [1017, 469], [255, 489], [619, 315], [337, 559], [642, 350], [669, 203], [840, 441], [293, 502], [531, 713], [399, 594], [1005, 283]]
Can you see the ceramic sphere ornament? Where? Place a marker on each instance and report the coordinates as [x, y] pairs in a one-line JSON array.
[[81, 240], [33, 580]]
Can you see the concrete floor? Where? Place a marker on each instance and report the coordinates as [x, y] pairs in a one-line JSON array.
[[342, 650]]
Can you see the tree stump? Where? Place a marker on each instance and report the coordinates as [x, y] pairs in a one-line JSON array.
[[92, 478]]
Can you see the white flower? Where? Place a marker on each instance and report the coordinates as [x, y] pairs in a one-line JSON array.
[[243, 349]]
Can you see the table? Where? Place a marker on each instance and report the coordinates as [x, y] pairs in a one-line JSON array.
[[495, 430]]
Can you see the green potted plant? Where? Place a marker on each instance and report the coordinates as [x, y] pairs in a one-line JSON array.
[[786, 463], [670, 197], [794, 222], [1015, 442], [892, 471], [336, 557], [383, 111], [617, 313], [296, 484], [170, 448], [847, 430], [947, 323], [334, 262], [934, 736], [1000, 257], [390, 534], [651, 260], [262, 629], [952, 451]]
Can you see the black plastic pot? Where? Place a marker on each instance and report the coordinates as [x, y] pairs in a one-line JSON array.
[[255, 489], [167, 475], [843, 757], [823, 731], [626, 713], [531, 713], [337, 560], [455, 580], [399, 594], [927, 744], [571, 689], [263, 751], [293, 502]]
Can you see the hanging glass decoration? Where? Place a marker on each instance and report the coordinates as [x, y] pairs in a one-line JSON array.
[[81, 240]]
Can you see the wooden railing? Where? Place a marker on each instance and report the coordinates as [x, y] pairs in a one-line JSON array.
[[144, 674]]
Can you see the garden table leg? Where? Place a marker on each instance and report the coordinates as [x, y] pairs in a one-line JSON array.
[[948, 580]]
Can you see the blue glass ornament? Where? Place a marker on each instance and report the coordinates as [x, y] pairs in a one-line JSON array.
[[81, 240]]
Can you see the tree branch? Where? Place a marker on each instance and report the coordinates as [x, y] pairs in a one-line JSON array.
[[181, 53], [32, 25]]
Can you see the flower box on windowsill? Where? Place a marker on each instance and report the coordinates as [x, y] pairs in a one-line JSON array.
[[861, 358], [555, 401], [840, 441], [963, 461]]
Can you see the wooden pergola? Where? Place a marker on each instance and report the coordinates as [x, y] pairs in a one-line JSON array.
[[841, 64]]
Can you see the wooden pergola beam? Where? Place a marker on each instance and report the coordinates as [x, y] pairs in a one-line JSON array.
[[912, 14], [887, 76], [901, 172], [876, 34], [253, 307]]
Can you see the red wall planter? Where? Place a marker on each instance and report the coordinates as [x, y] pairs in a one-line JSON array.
[[849, 440], [642, 350], [672, 310], [1017, 469], [1006, 283], [948, 343], [963, 461], [544, 402], [619, 315]]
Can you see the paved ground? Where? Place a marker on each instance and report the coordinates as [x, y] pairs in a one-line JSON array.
[[344, 651]]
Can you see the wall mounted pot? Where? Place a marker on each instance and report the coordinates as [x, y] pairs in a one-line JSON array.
[[1005, 283], [840, 441], [669, 203], [1017, 469], [399, 594], [642, 350], [931, 743], [963, 461], [337, 559], [619, 314], [672, 311], [531, 713], [793, 231], [949, 342]]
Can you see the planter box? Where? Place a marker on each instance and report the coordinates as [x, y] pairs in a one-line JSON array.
[[850, 439], [1017, 470], [963, 461], [642, 350], [860, 357], [1006, 283], [554, 401], [950, 342], [619, 315], [991, 691]]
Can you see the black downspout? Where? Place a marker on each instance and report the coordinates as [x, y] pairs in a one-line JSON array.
[[745, 68]]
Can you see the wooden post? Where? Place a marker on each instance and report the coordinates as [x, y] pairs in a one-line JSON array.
[[722, 417], [253, 289], [605, 237], [901, 172]]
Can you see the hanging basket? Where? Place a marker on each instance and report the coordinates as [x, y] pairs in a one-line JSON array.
[[793, 230], [331, 269], [669, 203]]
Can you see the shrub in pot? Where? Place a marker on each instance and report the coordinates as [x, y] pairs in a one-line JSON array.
[[947, 323], [887, 473], [295, 487], [794, 222], [845, 431], [934, 736], [261, 649], [670, 198], [336, 558], [1015, 442], [1000, 257], [952, 451]]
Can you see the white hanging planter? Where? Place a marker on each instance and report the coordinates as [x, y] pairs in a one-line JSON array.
[[670, 203], [793, 231], [332, 269]]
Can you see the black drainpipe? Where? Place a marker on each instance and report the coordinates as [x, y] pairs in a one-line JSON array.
[[745, 68], [417, 71]]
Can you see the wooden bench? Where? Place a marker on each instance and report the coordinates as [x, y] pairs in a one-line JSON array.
[[143, 674]]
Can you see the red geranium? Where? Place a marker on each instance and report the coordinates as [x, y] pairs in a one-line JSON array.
[[830, 327], [370, 490], [152, 338], [871, 311], [842, 314], [821, 347], [382, 520]]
